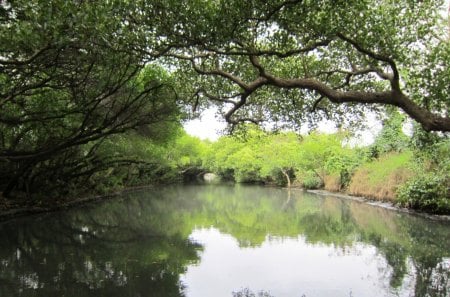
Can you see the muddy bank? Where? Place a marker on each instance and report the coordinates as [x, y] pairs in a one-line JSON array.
[[386, 205], [26, 208]]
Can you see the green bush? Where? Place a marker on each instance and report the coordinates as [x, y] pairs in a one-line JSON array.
[[311, 180], [427, 191]]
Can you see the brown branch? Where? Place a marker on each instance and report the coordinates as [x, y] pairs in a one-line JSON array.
[[428, 120], [219, 72], [395, 96], [395, 79], [316, 103], [279, 54], [219, 99]]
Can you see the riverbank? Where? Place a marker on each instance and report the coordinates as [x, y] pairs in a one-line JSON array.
[[25, 208], [382, 204]]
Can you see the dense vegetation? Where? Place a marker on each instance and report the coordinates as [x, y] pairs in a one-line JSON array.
[[392, 168], [93, 94]]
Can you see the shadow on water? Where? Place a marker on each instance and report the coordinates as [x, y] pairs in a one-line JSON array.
[[140, 245]]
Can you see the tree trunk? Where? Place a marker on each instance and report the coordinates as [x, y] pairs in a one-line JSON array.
[[287, 178]]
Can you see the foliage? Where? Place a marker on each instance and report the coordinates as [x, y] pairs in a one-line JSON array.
[[428, 192], [218, 154], [150, 161], [429, 189], [138, 160], [432, 147], [282, 157], [292, 62], [310, 180], [253, 155], [186, 151], [71, 77], [391, 137], [323, 160], [326, 154]]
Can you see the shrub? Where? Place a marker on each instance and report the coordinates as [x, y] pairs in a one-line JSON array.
[[310, 180], [427, 191]]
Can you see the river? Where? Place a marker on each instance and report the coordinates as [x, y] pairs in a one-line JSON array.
[[219, 240]]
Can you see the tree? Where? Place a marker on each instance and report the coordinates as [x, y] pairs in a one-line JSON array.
[[295, 60], [71, 76], [391, 137], [281, 152], [324, 153]]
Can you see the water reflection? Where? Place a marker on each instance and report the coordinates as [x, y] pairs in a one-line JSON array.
[[286, 267], [216, 240]]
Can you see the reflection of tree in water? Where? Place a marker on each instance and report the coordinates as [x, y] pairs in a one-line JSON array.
[[432, 271], [401, 239], [107, 251], [139, 246], [246, 292]]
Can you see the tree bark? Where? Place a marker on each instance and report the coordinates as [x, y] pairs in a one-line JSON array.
[[288, 179]]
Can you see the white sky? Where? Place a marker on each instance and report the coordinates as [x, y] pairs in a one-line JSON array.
[[210, 127], [207, 126]]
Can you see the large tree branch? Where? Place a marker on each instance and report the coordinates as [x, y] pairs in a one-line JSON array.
[[219, 72], [242, 51], [430, 121], [395, 78]]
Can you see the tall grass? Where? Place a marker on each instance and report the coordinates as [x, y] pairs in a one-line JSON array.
[[332, 183], [380, 178]]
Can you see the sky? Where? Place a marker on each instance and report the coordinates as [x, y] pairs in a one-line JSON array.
[[207, 126], [211, 127]]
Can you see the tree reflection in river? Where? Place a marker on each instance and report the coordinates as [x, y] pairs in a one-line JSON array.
[[106, 250], [139, 245]]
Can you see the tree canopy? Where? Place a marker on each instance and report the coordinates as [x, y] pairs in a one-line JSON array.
[[296, 61], [71, 76]]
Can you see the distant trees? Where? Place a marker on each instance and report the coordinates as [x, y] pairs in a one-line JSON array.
[[391, 169], [282, 157], [391, 137], [281, 153]]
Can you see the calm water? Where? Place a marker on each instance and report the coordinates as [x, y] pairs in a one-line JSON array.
[[217, 241]]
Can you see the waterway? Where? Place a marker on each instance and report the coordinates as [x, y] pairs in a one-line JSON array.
[[224, 240]]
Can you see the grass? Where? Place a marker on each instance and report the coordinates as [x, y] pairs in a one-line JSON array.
[[380, 178], [332, 183]]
